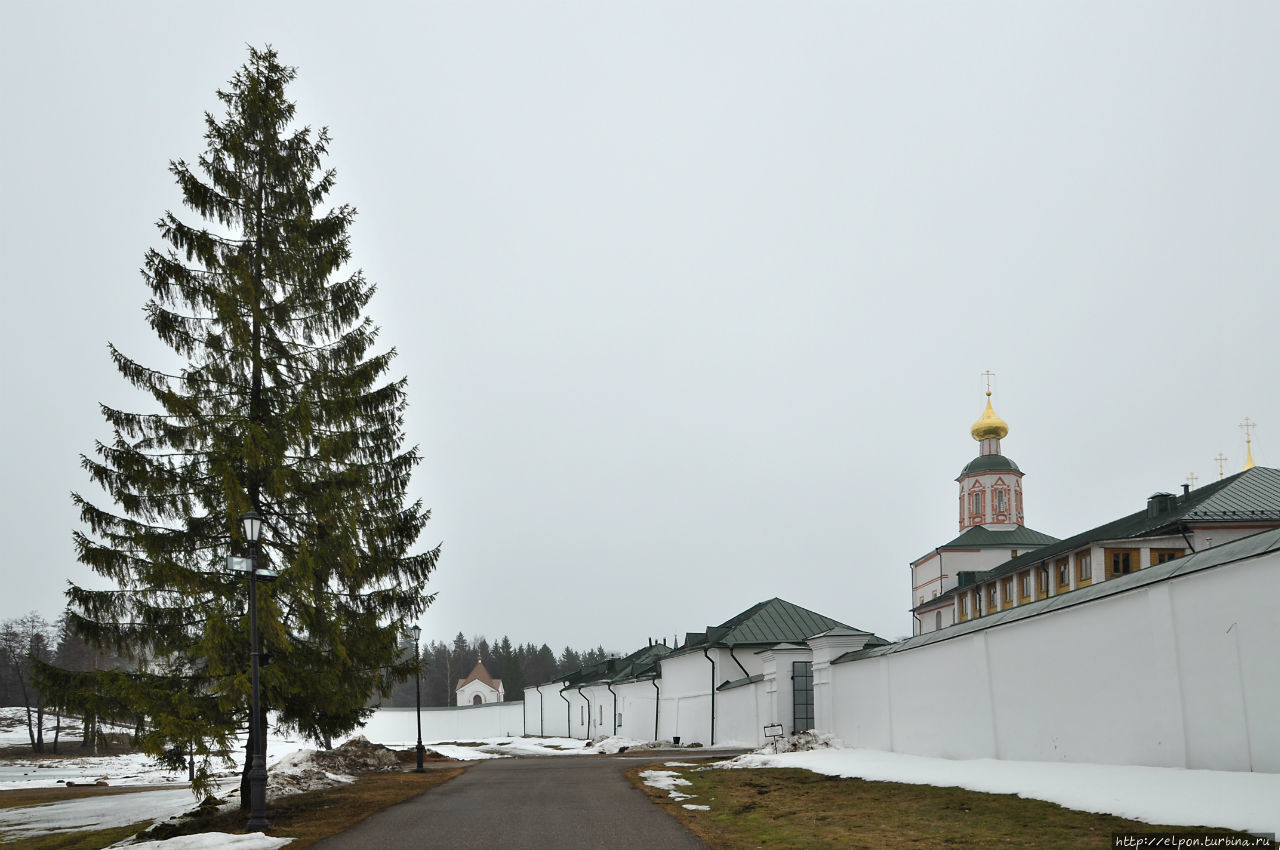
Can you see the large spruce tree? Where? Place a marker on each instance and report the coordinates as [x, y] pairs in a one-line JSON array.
[[281, 406]]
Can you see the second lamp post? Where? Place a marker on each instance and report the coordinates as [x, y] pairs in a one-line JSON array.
[[417, 686]]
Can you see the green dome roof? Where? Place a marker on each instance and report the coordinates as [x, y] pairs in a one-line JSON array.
[[989, 463]]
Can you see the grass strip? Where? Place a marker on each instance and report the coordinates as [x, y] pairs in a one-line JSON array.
[[313, 815], [88, 839], [59, 793], [792, 808]]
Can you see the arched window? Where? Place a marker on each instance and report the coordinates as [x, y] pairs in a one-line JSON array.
[[1000, 501], [477, 700]]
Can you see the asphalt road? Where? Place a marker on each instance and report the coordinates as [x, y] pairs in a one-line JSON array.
[[565, 802]]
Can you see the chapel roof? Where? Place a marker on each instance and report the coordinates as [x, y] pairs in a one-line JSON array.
[[479, 674]]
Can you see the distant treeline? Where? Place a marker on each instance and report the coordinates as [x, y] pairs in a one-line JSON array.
[[31, 639], [516, 665]]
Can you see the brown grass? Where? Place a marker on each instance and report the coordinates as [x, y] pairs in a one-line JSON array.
[[40, 796], [94, 839], [784, 808], [309, 817]]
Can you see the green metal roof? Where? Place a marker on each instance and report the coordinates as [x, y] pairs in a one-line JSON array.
[[767, 623], [979, 537], [775, 621], [989, 463], [1249, 496]]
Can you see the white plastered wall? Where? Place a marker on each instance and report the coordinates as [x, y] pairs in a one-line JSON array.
[[1177, 673]]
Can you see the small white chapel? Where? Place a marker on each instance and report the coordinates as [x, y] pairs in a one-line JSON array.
[[479, 687]]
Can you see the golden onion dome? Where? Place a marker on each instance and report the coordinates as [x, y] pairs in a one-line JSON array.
[[989, 426]]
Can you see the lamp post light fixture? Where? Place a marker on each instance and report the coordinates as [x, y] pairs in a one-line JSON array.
[[258, 765], [417, 686]]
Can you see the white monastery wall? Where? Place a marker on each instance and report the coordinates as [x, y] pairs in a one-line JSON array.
[[686, 696], [741, 713], [398, 726], [544, 711], [1179, 673], [636, 704]]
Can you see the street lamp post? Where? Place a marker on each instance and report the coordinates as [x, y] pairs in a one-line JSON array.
[[258, 767], [417, 686]]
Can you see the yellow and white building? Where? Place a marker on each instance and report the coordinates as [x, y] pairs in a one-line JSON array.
[[997, 563]]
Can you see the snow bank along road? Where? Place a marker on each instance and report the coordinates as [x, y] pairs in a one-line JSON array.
[[570, 803]]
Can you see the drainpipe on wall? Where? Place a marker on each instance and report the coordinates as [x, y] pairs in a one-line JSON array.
[[739, 663], [588, 700], [713, 696], [657, 699], [542, 715], [568, 713], [1182, 527], [609, 685]]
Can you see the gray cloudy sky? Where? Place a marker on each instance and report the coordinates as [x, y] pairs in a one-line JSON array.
[[693, 297]]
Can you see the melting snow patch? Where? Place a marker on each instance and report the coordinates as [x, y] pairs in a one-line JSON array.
[[457, 753], [609, 744], [200, 841], [696, 808], [666, 780]]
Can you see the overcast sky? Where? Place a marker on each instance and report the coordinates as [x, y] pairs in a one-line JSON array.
[[693, 297]]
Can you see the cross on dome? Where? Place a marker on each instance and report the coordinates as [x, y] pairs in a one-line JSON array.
[[990, 426]]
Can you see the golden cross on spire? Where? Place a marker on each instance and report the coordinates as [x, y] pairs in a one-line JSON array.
[[1192, 479], [988, 375], [1247, 426], [1220, 460]]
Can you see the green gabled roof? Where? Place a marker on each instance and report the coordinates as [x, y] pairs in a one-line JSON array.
[[1252, 494], [1249, 496], [771, 622], [989, 463], [979, 537], [643, 661]]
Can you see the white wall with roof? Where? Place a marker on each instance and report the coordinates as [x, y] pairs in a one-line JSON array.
[[686, 693], [637, 702], [546, 714], [1173, 671]]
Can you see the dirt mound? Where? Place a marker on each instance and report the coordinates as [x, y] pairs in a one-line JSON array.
[[356, 756], [801, 741], [309, 770]]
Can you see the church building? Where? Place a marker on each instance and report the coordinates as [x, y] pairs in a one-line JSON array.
[[997, 563], [992, 528], [479, 687]]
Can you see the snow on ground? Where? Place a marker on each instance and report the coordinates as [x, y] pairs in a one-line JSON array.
[[1161, 795], [94, 812], [214, 841], [667, 780], [471, 749], [1243, 801]]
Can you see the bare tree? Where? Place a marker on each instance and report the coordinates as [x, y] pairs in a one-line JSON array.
[[24, 640]]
